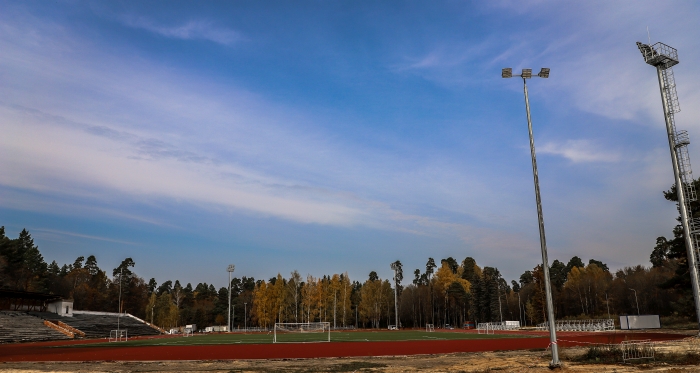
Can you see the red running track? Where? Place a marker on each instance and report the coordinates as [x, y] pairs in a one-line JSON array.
[[49, 351]]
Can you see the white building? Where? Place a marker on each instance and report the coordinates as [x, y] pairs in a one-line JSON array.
[[62, 307]]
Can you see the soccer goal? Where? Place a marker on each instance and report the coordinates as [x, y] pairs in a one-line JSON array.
[[485, 328], [306, 332], [118, 335], [429, 327]]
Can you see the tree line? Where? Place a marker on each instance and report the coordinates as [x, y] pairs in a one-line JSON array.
[[452, 292]]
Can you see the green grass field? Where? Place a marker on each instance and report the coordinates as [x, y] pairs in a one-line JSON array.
[[359, 336]]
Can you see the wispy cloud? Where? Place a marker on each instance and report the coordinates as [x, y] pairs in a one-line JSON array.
[[578, 151], [449, 63], [191, 30], [438, 58], [80, 235]]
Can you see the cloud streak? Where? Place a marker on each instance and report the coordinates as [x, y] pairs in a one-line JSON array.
[[578, 151], [79, 235], [190, 30]]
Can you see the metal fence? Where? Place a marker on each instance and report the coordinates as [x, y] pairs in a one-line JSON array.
[[592, 325], [633, 350], [490, 327]]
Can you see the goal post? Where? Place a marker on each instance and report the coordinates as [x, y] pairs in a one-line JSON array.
[[303, 332], [118, 335]]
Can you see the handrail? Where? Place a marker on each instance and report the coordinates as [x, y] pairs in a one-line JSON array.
[[58, 328], [70, 328]]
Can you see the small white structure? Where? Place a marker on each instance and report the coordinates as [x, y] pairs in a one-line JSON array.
[[213, 329], [630, 322], [63, 307]]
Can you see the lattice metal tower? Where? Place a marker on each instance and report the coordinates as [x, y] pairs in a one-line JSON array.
[[663, 57]]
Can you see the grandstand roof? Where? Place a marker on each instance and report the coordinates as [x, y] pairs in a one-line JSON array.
[[27, 300], [18, 294]]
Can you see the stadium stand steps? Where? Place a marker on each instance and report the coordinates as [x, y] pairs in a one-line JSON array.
[[99, 326], [23, 327]]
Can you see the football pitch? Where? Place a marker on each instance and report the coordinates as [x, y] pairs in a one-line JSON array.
[[262, 338]]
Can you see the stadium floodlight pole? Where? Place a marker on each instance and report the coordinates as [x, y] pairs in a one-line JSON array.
[[120, 299], [245, 317], [395, 267], [230, 269], [636, 300], [520, 311], [525, 75], [664, 57]]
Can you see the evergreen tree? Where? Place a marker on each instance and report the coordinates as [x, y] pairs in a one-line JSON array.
[[674, 250], [574, 262], [469, 268], [91, 265], [558, 273], [32, 274], [599, 264]]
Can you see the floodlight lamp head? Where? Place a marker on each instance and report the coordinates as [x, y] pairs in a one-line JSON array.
[[507, 73], [527, 73], [646, 50], [231, 268], [544, 72]]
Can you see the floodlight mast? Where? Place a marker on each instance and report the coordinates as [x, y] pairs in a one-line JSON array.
[[230, 269], [663, 57], [395, 267], [527, 74]]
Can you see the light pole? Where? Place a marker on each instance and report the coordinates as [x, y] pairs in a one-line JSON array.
[[121, 270], [520, 312], [525, 75], [664, 57], [230, 269], [636, 300], [245, 317], [395, 267]]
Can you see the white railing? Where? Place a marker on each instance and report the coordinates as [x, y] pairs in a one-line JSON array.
[[592, 325], [490, 327], [633, 350]]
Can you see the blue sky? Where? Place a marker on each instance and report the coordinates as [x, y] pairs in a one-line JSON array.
[[336, 136]]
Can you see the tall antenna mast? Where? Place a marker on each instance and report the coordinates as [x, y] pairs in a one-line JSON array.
[[663, 57]]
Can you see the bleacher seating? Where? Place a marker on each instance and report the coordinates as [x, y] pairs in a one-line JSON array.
[[99, 326], [23, 327]]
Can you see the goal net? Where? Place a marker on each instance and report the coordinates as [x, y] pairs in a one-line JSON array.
[[306, 332], [429, 327], [119, 335]]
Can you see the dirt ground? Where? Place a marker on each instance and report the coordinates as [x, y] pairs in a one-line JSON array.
[[676, 357]]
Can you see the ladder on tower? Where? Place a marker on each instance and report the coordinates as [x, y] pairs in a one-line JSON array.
[[681, 141]]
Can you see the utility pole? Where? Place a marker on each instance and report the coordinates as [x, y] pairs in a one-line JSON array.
[[636, 300]]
